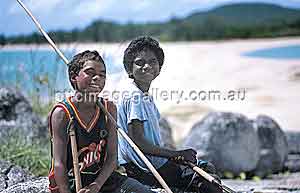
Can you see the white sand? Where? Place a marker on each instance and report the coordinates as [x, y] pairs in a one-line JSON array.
[[272, 85]]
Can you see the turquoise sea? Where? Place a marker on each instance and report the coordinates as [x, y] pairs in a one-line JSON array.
[[40, 69], [280, 53]]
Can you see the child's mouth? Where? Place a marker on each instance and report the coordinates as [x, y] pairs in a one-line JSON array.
[[148, 74], [94, 86]]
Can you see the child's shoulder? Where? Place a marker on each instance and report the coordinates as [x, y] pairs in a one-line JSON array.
[[59, 111], [106, 103]]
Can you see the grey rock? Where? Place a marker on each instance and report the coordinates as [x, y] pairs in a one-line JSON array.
[[17, 175], [292, 163], [274, 148], [227, 140], [11, 175], [274, 184], [37, 185], [166, 134], [5, 167], [3, 184], [293, 139], [8, 98], [16, 116]]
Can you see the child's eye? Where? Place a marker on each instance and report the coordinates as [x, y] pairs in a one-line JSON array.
[[90, 72], [140, 62], [153, 62]]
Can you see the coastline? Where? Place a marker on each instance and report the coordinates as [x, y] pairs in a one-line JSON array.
[[272, 86], [93, 45]]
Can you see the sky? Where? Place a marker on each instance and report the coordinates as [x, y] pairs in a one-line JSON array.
[[71, 14]]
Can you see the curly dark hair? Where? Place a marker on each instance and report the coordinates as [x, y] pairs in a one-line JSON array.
[[138, 45], [78, 61]]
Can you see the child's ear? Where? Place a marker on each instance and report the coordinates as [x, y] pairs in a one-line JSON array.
[[73, 78], [130, 75]]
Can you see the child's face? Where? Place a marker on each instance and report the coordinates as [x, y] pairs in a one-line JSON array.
[[91, 78], [145, 66]]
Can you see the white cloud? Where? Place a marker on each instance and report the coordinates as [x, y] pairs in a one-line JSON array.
[[38, 6], [137, 5], [68, 14], [206, 2], [90, 8], [13, 9]]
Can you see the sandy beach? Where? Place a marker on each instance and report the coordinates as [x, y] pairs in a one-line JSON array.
[[266, 86], [272, 86]]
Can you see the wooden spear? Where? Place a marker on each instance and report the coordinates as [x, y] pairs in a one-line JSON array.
[[134, 146], [209, 178]]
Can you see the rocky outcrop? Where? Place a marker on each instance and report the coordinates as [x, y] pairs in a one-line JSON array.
[[11, 175], [17, 117], [34, 185], [273, 146], [227, 140], [292, 163], [234, 143], [279, 183], [24, 182], [293, 140]]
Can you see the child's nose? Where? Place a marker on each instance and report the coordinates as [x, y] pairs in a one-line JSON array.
[[147, 66], [96, 77]]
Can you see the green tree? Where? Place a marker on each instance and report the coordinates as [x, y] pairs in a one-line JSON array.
[[2, 40]]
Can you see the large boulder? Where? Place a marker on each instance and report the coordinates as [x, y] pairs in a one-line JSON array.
[[227, 140], [3, 184], [11, 175], [292, 163], [16, 175], [17, 117], [4, 167], [34, 185], [166, 134], [274, 148], [293, 140]]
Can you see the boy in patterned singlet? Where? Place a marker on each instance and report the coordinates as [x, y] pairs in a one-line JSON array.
[[95, 134]]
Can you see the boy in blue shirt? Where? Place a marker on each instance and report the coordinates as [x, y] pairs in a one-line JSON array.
[[139, 117]]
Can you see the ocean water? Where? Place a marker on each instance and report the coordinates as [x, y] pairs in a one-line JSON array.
[[41, 69], [285, 52]]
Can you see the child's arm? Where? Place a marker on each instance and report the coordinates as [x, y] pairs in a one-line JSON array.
[[110, 163], [60, 140], [136, 132]]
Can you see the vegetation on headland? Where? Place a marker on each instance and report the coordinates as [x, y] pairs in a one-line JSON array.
[[248, 20], [33, 156]]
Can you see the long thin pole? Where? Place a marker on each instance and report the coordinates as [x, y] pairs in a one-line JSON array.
[[134, 146], [209, 178], [138, 151], [72, 134], [52, 44]]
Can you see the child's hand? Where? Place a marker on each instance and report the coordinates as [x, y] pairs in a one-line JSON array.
[[92, 188], [188, 155]]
